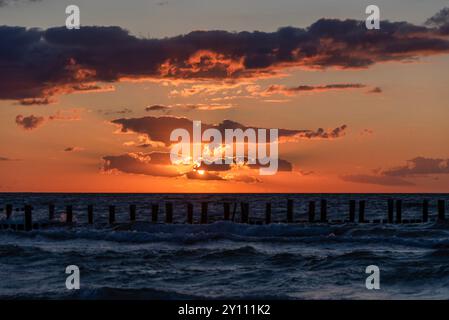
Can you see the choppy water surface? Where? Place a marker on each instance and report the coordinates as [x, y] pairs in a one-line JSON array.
[[224, 259]]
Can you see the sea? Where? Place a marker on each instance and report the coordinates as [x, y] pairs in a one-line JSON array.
[[223, 259]]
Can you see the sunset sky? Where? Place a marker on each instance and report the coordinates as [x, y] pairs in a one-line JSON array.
[[90, 110]]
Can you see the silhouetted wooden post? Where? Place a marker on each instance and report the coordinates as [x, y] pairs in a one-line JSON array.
[[352, 211], [189, 213], [68, 214], [227, 210], [51, 211], [425, 210], [311, 211], [390, 211], [441, 210], [111, 214], [289, 211], [398, 211], [90, 214], [245, 212], [361, 211], [168, 212], [132, 213], [8, 211], [268, 213], [323, 211], [28, 218], [204, 212], [154, 213]]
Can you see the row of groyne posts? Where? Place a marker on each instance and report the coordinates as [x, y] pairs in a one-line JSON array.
[[394, 214]]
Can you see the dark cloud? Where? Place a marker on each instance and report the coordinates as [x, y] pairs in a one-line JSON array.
[[158, 129], [151, 164], [279, 89], [157, 108], [116, 112], [420, 166], [39, 64], [375, 90], [440, 20], [159, 164], [188, 107], [7, 159], [30, 122], [73, 149], [376, 179]]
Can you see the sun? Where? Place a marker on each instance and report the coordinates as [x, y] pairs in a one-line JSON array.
[[201, 172]]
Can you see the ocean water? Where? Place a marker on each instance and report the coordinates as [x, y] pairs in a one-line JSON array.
[[223, 260]]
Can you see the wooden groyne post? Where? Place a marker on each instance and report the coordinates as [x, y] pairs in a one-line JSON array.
[[90, 214], [398, 211], [189, 213], [69, 214], [245, 212], [323, 211], [204, 206], [390, 211], [111, 214], [268, 213], [289, 211], [425, 210], [8, 211], [28, 218], [154, 213], [169, 212], [51, 211], [441, 210], [226, 211], [352, 211], [362, 204], [132, 213], [311, 211]]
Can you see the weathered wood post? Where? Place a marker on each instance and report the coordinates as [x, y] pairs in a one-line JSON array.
[[69, 214], [390, 211], [204, 206], [189, 213], [90, 214], [245, 212], [398, 211], [352, 211], [268, 213], [311, 211], [168, 212], [227, 210], [28, 218], [132, 212], [8, 211], [111, 214], [323, 211], [441, 210], [154, 213], [51, 211], [362, 211], [425, 210], [289, 211]]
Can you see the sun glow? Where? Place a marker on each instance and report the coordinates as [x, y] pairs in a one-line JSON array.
[[201, 172]]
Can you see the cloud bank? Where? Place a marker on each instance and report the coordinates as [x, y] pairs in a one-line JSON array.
[[39, 64]]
